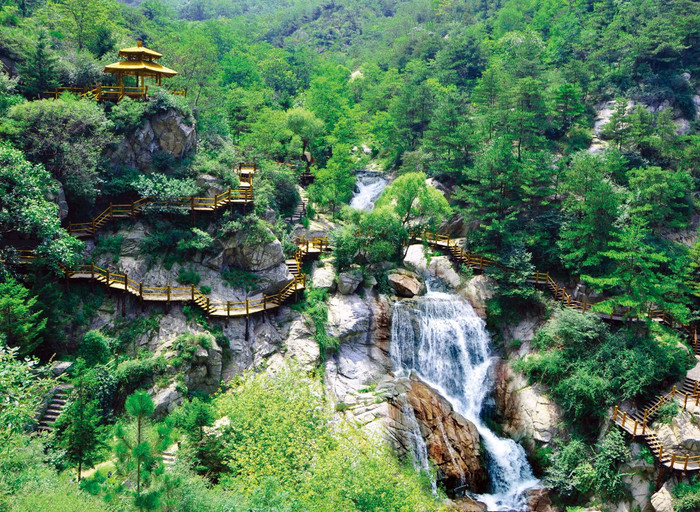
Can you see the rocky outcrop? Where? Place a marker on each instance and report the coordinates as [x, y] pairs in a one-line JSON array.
[[478, 290], [323, 276], [406, 283], [59, 197], [452, 441], [682, 436], [528, 414], [254, 257], [165, 132], [348, 282], [363, 330], [439, 266], [662, 500]]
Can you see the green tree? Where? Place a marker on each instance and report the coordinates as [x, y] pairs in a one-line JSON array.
[[660, 196], [567, 105], [335, 183], [20, 321], [138, 449], [39, 70], [636, 279], [94, 348], [23, 386], [85, 17], [26, 210], [305, 125], [78, 428], [68, 137], [418, 206], [617, 128]]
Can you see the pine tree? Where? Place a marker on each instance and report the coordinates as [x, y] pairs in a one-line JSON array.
[[20, 321], [78, 428], [39, 71]]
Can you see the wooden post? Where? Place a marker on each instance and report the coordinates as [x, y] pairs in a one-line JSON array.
[[673, 459], [141, 290], [192, 292], [126, 282], [634, 432], [247, 307], [208, 306], [624, 417], [168, 294], [615, 413], [673, 391], [584, 306], [556, 290], [107, 272], [685, 402], [192, 203], [264, 302], [644, 425], [228, 309], [685, 466], [661, 452]]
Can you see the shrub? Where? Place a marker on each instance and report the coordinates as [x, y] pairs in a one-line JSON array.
[[108, 245], [95, 348], [239, 278], [188, 277], [127, 115], [186, 346], [668, 411]]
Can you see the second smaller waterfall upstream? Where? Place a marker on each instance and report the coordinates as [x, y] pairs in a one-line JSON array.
[[442, 340], [368, 188]]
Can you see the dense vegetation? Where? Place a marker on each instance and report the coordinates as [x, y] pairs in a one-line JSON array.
[[492, 102]]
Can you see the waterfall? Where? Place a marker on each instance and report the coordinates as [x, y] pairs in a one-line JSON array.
[[368, 188], [442, 340], [417, 447]]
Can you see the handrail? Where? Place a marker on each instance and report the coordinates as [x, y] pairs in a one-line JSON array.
[[190, 293], [242, 195]]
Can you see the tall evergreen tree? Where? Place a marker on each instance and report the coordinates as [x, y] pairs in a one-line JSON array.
[[39, 70]]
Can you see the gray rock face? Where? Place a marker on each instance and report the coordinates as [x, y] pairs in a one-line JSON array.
[[478, 291], [662, 500], [166, 132], [439, 266], [348, 282], [59, 197], [239, 252], [362, 356], [682, 436], [323, 277], [165, 400], [529, 414], [406, 283]]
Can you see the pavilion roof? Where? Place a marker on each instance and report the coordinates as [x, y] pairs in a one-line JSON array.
[[139, 52], [139, 68]]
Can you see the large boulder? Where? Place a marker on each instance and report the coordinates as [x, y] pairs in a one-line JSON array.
[[452, 441], [478, 290], [167, 132], [348, 282], [527, 411], [323, 276], [240, 252], [406, 283], [662, 500], [348, 318], [439, 266]]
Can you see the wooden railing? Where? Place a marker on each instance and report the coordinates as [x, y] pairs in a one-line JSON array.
[[101, 92], [242, 195], [559, 291], [228, 309]]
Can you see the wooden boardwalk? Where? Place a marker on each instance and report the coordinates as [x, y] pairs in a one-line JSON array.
[[228, 309], [243, 195]]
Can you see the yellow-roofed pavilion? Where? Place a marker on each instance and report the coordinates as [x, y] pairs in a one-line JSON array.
[[139, 62]]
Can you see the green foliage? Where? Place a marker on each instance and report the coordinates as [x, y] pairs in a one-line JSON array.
[[188, 277], [577, 471], [668, 411], [587, 368], [127, 115], [108, 245], [686, 495], [315, 307], [239, 278], [95, 348], [186, 346], [23, 384], [68, 137], [21, 324], [23, 187]]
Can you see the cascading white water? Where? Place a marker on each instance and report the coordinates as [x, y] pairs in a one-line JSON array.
[[368, 188], [418, 448], [442, 340]]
